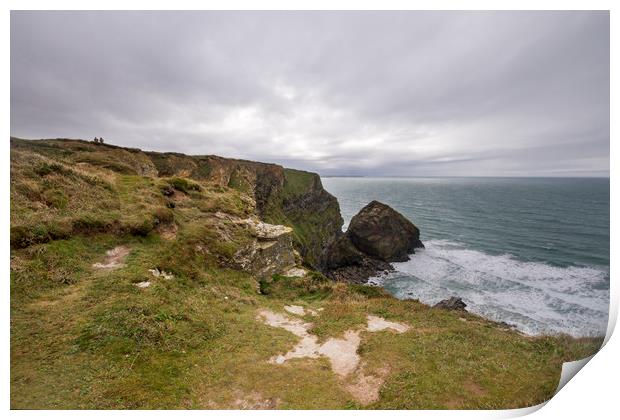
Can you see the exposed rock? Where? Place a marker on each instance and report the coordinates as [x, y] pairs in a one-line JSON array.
[[344, 262], [143, 284], [271, 251], [156, 273], [299, 310], [312, 211], [278, 195], [295, 272], [505, 325], [295, 309], [376, 236], [113, 258], [452, 304], [381, 232], [266, 231]]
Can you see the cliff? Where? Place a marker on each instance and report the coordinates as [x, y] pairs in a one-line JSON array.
[[156, 280], [281, 196]]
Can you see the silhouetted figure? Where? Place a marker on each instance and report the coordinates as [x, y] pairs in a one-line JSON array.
[[101, 140], [96, 140]]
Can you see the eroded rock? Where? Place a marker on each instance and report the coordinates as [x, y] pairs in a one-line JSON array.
[[157, 273], [270, 252], [295, 272], [452, 304]]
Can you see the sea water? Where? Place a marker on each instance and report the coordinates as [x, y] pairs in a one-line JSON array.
[[532, 252]]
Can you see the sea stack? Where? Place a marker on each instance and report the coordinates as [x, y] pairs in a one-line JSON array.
[[376, 236]]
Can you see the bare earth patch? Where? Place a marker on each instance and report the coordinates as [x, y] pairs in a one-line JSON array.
[[366, 388], [341, 352], [255, 401], [113, 258], [376, 323], [299, 310], [168, 231]]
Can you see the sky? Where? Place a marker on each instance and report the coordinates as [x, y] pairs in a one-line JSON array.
[[420, 93]]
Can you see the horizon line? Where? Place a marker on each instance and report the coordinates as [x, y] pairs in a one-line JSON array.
[[466, 176]]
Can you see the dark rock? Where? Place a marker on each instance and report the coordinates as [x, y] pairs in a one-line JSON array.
[[452, 304], [376, 236], [167, 191], [506, 325], [382, 233]]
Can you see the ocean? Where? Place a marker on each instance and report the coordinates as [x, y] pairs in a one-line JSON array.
[[532, 252]]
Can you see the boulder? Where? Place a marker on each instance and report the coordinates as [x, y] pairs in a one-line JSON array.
[[381, 232], [376, 236], [452, 304]]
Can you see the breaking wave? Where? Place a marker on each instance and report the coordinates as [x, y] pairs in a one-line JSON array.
[[537, 298]]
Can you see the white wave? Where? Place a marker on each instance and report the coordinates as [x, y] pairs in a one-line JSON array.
[[536, 297]]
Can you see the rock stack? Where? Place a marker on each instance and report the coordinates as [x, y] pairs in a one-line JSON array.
[[376, 236]]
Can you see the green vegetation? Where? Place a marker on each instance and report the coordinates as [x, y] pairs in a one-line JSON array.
[[88, 337], [183, 185], [314, 221]]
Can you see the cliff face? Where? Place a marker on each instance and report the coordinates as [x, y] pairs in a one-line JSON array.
[[312, 212], [281, 196]]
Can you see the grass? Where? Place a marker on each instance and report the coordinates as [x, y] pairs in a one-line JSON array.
[[194, 341], [88, 338]]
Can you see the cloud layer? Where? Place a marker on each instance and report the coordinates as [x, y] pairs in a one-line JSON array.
[[348, 93]]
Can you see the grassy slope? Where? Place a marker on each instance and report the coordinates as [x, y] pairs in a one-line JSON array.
[[86, 338]]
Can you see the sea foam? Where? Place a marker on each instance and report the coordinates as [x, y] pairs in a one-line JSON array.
[[536, 297]]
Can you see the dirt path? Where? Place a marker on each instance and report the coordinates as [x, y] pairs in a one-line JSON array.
[[341, 352]]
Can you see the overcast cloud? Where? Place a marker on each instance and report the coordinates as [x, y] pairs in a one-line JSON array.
[[348, 93]]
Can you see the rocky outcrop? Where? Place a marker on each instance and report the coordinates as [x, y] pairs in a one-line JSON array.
[[382, 233], [452, 304], [313, 213], [283, 196], [376, 236], [270, 252]]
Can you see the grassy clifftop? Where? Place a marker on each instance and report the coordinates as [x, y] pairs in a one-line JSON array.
[[168, 319], [86, 171]]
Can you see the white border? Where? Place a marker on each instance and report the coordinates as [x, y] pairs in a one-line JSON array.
[[592, 394]]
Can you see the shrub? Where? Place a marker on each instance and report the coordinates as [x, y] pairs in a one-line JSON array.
[[163, 215], [89, 224], [141, 227], [183, 185], [55, 198], [46, 169], [24, 236]]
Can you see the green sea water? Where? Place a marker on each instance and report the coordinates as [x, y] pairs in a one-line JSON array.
[[533, 252]]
